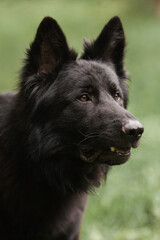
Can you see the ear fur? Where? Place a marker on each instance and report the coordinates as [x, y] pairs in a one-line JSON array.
[[49, 51], [109, 46]]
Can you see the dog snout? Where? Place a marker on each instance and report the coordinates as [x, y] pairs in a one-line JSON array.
[[133, 129]]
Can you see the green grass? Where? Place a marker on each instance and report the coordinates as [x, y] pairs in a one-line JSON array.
[[127, 207]]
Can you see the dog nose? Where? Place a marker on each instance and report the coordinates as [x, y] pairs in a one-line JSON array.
[[133, 129]]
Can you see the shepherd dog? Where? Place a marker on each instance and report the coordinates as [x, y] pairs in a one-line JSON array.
[[61, 132]]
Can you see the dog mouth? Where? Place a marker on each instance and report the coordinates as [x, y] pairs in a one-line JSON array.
[[111, 156]]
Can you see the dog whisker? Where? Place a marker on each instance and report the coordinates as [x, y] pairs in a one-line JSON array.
[[88, 137]]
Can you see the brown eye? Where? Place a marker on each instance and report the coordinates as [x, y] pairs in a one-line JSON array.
[[117, 96], [84, 98]]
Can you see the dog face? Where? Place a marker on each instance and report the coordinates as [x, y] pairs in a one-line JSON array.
[[80, 104]]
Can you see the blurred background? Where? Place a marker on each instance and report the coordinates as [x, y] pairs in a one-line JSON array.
[[127, 207]]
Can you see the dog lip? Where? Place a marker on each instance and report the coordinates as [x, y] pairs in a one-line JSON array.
[[90, 158], [93, 155], [121, 151]]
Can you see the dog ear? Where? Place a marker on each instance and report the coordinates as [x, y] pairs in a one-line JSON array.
[[109, 46], [49, 51]]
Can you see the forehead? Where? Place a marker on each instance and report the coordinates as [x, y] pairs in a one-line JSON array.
[[83, 73]]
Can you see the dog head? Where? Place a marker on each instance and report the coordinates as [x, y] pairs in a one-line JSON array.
[[79, 104]]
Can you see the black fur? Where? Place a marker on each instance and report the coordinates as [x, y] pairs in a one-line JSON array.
[[57, 130]]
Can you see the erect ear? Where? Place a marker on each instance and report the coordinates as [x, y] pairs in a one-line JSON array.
[[49, 51], [109, 46]]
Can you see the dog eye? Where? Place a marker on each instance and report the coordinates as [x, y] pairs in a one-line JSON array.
[[84, 98], [117, 96]]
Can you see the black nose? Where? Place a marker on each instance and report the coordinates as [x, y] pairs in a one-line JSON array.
[[133, 129]]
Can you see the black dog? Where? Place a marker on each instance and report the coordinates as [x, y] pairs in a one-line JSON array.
[[61, 131]]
